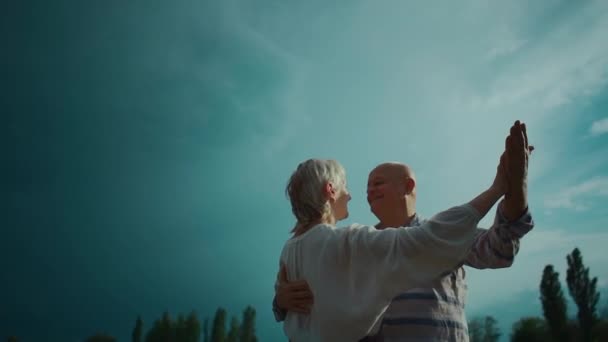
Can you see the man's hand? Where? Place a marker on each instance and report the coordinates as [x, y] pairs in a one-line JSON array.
[[517, 154], [501, 184], [293, 296]]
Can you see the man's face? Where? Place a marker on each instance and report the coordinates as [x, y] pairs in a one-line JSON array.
[[384, 193]]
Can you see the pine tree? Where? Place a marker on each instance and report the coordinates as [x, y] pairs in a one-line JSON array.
[[193, 328], [138, 330], [554, 304], [583, 291], [218, 331], [162, 330], [181, 335], [206, 330], [234, 332], [248, 327]]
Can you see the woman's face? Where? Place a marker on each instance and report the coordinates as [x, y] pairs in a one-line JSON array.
[[340, 205]]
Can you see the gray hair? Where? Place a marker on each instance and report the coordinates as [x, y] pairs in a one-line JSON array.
[[305, 189]]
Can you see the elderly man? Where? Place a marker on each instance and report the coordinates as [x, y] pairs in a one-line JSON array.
[[436, 311]]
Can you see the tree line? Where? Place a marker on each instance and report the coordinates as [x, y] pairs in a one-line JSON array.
[[188, 329], [589, 325]]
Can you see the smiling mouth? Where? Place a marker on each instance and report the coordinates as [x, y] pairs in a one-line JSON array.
[[372, 200]]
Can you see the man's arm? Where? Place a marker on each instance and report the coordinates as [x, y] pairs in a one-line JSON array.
[[279, 314], [293, 296], [497, 247]]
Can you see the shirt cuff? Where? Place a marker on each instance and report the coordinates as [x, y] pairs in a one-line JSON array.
[[522, 225], [501, 215]]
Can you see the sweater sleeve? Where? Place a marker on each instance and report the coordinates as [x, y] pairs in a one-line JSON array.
[[399, 259]]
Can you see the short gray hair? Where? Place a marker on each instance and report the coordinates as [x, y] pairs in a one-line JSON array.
[[305, 189]]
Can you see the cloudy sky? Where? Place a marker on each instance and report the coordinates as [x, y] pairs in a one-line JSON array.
[[148, 143]]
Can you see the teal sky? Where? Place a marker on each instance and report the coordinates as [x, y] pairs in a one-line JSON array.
[[147, 144]]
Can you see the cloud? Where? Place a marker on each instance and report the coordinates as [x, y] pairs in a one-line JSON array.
[[506, 48], [577, 197], [599, 127], [553, 69]]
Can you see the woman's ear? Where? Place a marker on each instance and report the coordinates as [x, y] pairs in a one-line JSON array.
[[329, 191]]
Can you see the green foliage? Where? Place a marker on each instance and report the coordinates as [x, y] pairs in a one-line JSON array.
[[248, 327], [476, 330], [136, 336], [554, 304], [206, 330], [181, 330], [235, 330], [218, 331], [484, 330], [583, 291], [530, 329], [101, 338]]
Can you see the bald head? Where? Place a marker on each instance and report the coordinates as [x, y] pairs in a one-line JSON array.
[[394, 171], [391, 193]]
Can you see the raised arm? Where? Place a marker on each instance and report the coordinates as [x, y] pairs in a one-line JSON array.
[[433, 249], [496, 247]]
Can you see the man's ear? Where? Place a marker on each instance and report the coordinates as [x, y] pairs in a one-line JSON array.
[[410, 184]]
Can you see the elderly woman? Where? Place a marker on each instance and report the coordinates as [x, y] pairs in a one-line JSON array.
[[355, 272]]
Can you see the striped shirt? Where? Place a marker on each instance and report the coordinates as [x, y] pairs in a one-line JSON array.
[[437, 312]]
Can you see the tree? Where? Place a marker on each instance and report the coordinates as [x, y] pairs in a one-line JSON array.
[[218, 331], [554, 304], [476, 330], [234, 332], [583, 291], [162, 330], [530, 329], [192, 328], [483, 330], [491, 331], [138, 330], [248, 327], [206, 330], [101, 338], [181, 335]]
